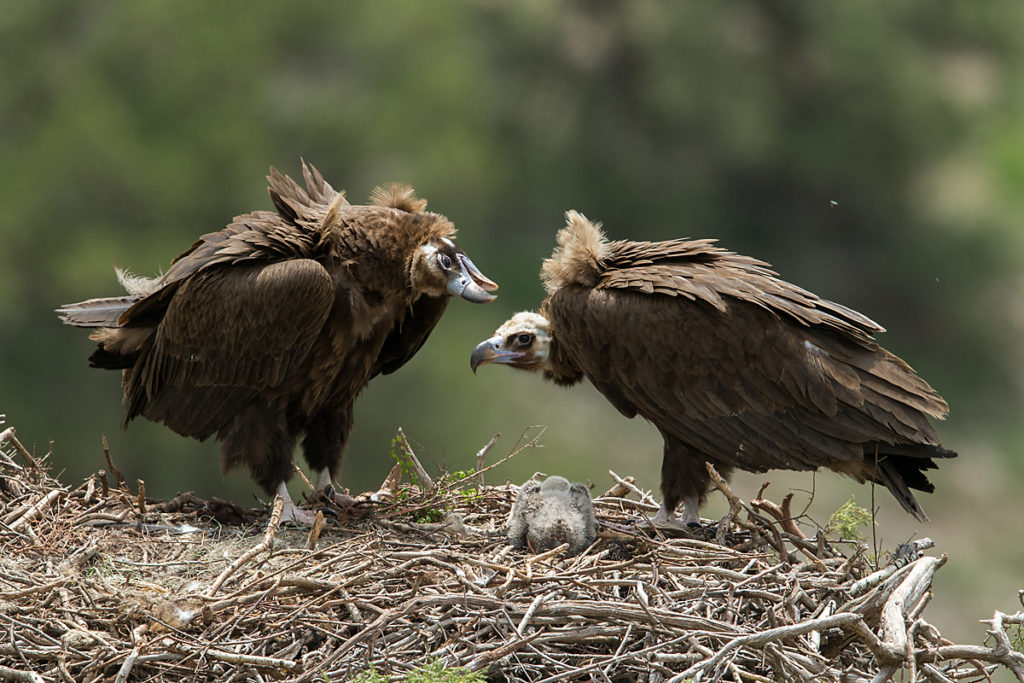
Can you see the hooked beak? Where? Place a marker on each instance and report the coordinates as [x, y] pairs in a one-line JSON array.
[[490, 351], [470, 283]]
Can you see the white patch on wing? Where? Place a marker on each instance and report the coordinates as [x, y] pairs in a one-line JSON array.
[[815, 349]]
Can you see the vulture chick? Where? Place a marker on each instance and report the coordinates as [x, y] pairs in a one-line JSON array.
[[546, 515], [263, 333], [734, 366]]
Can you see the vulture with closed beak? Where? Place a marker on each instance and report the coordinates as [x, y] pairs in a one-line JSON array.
[[734, 366], [264, 333]]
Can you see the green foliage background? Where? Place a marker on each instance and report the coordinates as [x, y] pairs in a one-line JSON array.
[[874, 153]]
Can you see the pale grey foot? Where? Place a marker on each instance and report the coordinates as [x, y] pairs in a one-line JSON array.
[[690, 519], [325, 492], [290, 512], [323, 483], [691, 511]]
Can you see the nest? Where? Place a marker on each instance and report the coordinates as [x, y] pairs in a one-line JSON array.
[[100, 582]]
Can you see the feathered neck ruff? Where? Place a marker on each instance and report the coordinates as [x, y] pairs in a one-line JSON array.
[[577, 258], [414, 226]]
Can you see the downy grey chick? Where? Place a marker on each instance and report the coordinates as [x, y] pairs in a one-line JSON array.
[[548, 514]]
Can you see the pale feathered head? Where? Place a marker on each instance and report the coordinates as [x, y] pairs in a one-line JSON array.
[[577, 258]]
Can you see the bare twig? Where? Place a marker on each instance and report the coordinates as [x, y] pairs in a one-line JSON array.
[[141, 496], [267, 545], [110, 464], [9, 674], [314, 532], [735, 506], [909, 591], [37, 509], [772, 635], [521, 445], [481, 456], [8, 435], [426, 482], [627, 486]]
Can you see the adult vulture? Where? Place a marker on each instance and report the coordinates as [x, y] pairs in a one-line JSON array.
[[266, 331], [733, 365]]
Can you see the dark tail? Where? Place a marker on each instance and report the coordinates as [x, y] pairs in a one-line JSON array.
[[101, 358], [902, 467]]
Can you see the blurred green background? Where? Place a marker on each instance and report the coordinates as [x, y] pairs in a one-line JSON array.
[[873, 153]]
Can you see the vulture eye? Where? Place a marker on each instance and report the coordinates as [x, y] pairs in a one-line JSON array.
[[445, 261], [524, 339]]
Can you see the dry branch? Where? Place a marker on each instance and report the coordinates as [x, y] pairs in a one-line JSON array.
[[110, 463], [143, 597], [481, 456], [426, 482], [266, 546], [8, 435]]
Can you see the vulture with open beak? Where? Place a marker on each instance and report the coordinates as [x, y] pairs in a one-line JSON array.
[[734, 366], [264, 333]]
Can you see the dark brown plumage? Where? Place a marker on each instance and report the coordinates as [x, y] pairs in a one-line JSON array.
[[266, 331], [733, 365]]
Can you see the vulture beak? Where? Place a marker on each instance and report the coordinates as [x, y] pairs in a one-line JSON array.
[[470, 283], [490, 351]]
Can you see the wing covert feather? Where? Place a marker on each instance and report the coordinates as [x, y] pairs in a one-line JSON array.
[[744, 385], [699, 271], [243, 326]]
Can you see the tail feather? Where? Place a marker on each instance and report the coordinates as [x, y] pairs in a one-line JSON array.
[[890, 477], [96, 312], [901, 468], [102, 358]]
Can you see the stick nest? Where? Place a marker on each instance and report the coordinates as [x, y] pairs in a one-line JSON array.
[[101, 583]]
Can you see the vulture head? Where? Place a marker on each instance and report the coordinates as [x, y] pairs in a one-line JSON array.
[[439, 267], [523, 341]]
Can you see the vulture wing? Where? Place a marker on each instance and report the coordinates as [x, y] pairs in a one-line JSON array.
[[259, 236], [699, 271], [226, 334], [409, 334], [719, 353]]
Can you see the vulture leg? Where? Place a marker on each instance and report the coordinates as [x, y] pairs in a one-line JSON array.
[[684, 479], [258, 437], [324, 446], [324, 481]]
